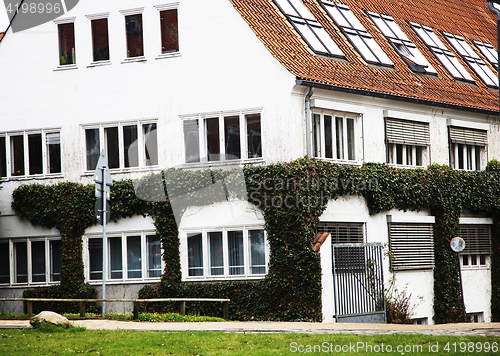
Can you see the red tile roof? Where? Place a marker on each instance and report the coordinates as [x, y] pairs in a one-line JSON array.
[[470, 19]]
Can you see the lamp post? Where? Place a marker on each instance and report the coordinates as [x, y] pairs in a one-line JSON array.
[[494, 6]]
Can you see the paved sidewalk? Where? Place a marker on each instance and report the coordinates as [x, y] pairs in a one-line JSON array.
[[286, 327]]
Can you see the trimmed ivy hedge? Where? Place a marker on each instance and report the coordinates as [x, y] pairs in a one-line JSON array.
[[292, 197]]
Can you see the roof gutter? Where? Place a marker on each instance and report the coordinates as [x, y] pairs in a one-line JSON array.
[[317, 85]]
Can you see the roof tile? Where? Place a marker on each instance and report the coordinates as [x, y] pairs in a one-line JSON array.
[[470, 19]]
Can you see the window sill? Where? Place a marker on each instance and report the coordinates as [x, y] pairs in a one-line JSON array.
[[28, 285], [36, 177], [134, 60], [99, 64], [126, 170], [168, 55], [475, 267], [98, 282], [66, 67], [404, 166], [236, 162], [224, 278], [340, 161]]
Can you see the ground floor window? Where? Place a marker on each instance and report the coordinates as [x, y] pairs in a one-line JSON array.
[[411, 246], [30, 261], [477, 245], [226, 253], [130, 256]]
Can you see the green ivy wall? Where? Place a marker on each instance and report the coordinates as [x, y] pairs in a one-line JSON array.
[[292, 288]]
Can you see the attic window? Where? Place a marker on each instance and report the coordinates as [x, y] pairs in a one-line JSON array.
[[403, 46], [472, 59], [447, 59], [489, 52], [356, 33], [309, 29]]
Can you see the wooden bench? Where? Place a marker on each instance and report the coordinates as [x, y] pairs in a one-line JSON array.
[[136, 302]]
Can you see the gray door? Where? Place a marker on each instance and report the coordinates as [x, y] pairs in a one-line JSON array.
[[358, 283]]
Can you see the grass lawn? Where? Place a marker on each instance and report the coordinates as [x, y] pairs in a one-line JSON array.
[[56, 341]]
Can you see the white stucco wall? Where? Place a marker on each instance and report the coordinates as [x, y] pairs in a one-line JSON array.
[[221, 66]]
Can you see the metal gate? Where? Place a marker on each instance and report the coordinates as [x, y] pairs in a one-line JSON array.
[[358, 283]]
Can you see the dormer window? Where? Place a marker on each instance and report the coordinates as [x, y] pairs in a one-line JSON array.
[[489, 52], [356, 33], [311, 31], [401, 43], [437, 47], [472, 59]]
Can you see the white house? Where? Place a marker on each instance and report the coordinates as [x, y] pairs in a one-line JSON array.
[[199, 84]]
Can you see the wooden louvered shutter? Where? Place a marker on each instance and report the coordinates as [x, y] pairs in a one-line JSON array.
[[468, 136], [407, 132], [412, 246], [477, 238], [343, 233]]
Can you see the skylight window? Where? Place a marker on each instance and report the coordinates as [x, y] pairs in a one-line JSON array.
[[311, 30], [489, 52], [472, 59], [447, 59], [356, 33], [403, 46]]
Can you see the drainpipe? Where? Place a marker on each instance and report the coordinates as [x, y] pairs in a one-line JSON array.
[[309, 122]]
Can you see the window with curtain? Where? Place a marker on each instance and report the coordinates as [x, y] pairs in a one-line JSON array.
[[32, 261], [66, 34], [334, 136], [230, 254], [100, 40], [55, 260], [195, 254], [226, 137], [127, 145], [466, 148], [407, 142], [134, 261], [115, 258], [169, 31], [154, 256], [38, 261], [4, 263], [95, 258], [135, 44], [131, 256]]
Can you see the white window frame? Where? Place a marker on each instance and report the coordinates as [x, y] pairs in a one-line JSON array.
[[91, 18], [470, 223], [206, 254], [472, 59], [45, 166], [355, 32], [454, 147], [311, 31], [140, 143], [392, 154], [319, 136], [160, 8], [401, 43], [469, 165], [202, 136], [12, 261], [408, 257], [131, 12], [442, 53], [489, 52], [58, 66], [123, 240]]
